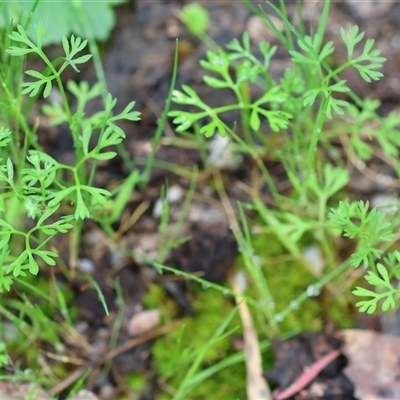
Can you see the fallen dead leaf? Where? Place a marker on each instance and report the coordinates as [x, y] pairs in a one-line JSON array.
[[310, 365], [373, 363], [21, 391]]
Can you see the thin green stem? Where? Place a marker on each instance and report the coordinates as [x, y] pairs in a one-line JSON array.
[[289, 38], [30, 14], [323, 20], [312, 150], [324, 240], [314, 289], [244, 241]]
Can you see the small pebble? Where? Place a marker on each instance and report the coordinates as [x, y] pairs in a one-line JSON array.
[[143, 322]]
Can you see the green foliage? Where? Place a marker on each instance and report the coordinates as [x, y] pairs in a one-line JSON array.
[[109, 136], [297, 108], [381, 281], [249, 70], [385, 131], [368, 61], [3, 355], [41, 198], [27, 259], [333, 180], [284, 120], [38, 185], [64, 18], [371, 229], [271, 105]]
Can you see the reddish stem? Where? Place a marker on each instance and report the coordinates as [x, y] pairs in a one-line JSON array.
[[308, 375]]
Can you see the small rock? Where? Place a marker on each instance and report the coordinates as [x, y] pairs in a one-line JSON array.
[[84, 395], [174, 194], [314, 258], [143, 322], [222, 153], [369, 9], [260, 32]]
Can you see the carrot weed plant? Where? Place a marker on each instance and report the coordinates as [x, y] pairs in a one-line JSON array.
[[34, 185], [305, 112], [300, 111]]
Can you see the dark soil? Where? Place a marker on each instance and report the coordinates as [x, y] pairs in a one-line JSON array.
[[138, 61]]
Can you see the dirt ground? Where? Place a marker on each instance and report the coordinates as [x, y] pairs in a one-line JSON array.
[[138, 61]]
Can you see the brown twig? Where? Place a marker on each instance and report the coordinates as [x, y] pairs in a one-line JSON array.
[[308, 375], [256, 387], [112, 354]]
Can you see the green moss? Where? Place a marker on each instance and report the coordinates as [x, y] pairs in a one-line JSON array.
[[157, 298], [136, 383], [227, 384], [289, 279], [175, 352]]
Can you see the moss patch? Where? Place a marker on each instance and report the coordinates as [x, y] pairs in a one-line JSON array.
[[174, 353], [289, 279]]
